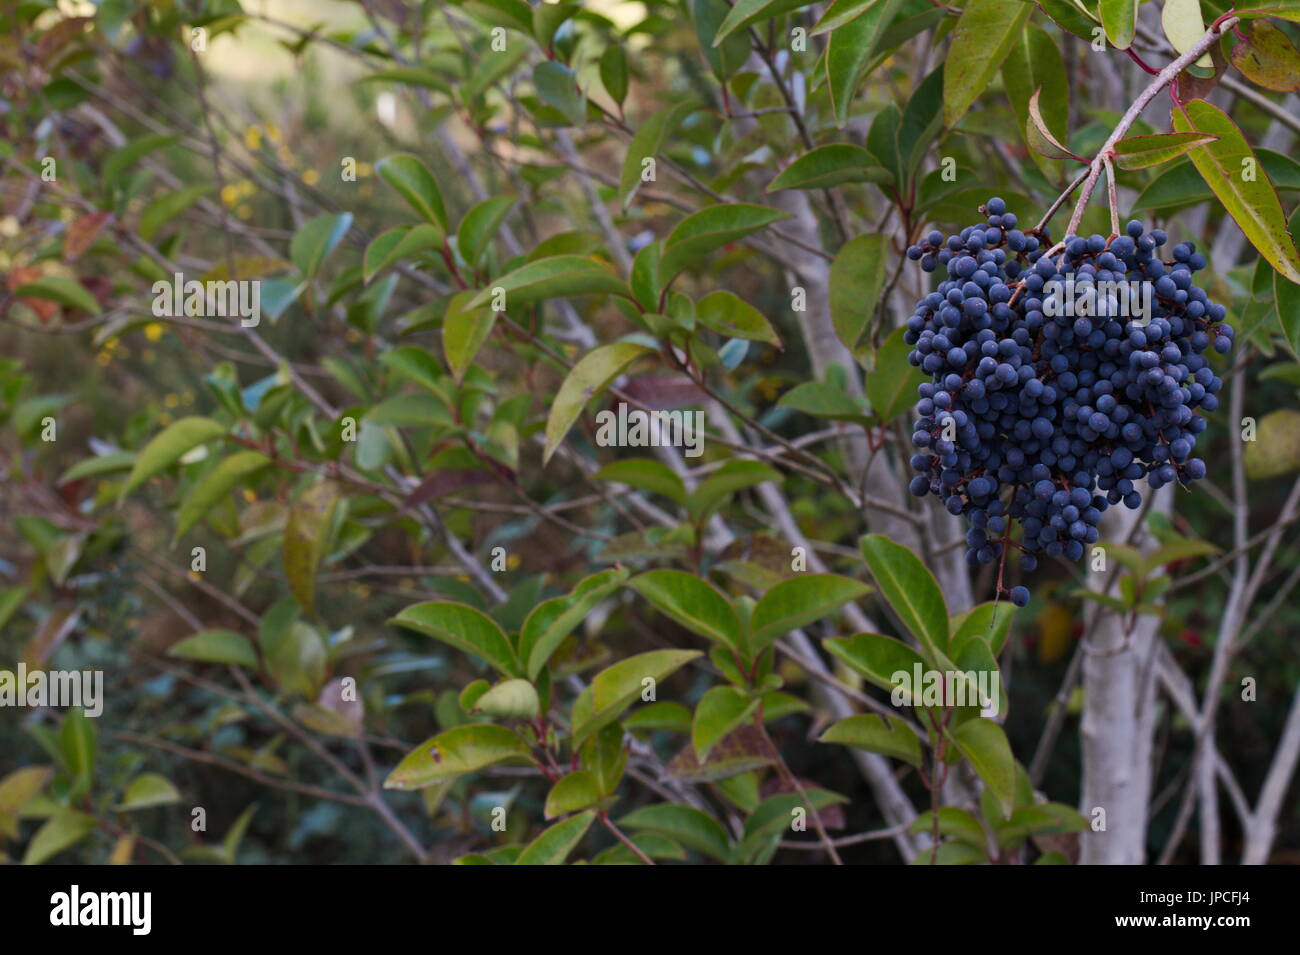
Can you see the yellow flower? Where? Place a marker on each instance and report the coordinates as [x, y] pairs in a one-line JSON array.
[[249, 496], [229, 195], [364, 169], [311, 177], [153, 331], [513, 562], [273, 132], [253, 138], [171, 401], [164, 419]]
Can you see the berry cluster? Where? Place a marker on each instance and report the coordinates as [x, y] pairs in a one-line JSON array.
[[1051, 399]]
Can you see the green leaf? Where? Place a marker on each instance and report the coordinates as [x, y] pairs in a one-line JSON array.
[[823, 401], [588, 378], [692, 602], [1252, 203], [1286, 294], [18, 789], [78, 746], [981, 40], [840, 12], [317, 239], [910, 589], [709, 229], [54, 288], [1039, 138], [554, 845], [830, 165], [510, 699], [799, 601], [1139, 152], [558, 86], [891, 386], [613, 72], [555, 277], [306, 534], [857, 277], [1184, 26], [63, 829], [1282, 9], [1276, 448], [732, 316], [719, 711], [577, 790], [551, 621], [122, 159], [848, 54], [683, 824], [735, 475], [1119, 17], [415, 364], [414, 183], [215, 485], [1182, 185], [1072, 16], [463, 749], [464, 330], [646, 474], [464, 628], [646, 144], [746, 12], [168, 447], [480, 225], [617, 687], [954, 823], [411, 76], [1268, 58], [728, 58], [1035, 63], [395, 245], [146, 791], [988, 621], [876, 657], [99, 465], [168, 208], [886, 735], [216, 646], [984, 745]]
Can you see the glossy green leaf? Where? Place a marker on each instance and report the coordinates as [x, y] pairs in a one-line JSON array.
[[613, 72], [692, 602], [463, 749], [981, 40], [148, 790], [876, 657], [709, 229], [1139, 152], [1231, 169], [646, 144], [555, 277], [684, 824], [464, 330], [886, 735], [798, 602], [397, 244], [123, 158], [857, 278], [464, 628], [480, 225], [317, 239], [168, 447], [215, 485], [168, 208], [54, 288], [216, 646], [510, 699], [63, 829], [848, 54], [577, 790], [552, 620], [1119, 17], [617, 687], [984, 745], [646, 474], [414, 183], [720, 710], [589, 378], [909, 588], [557, 86], [411, 76], [730, 315], [830, 165], [733, 476]]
